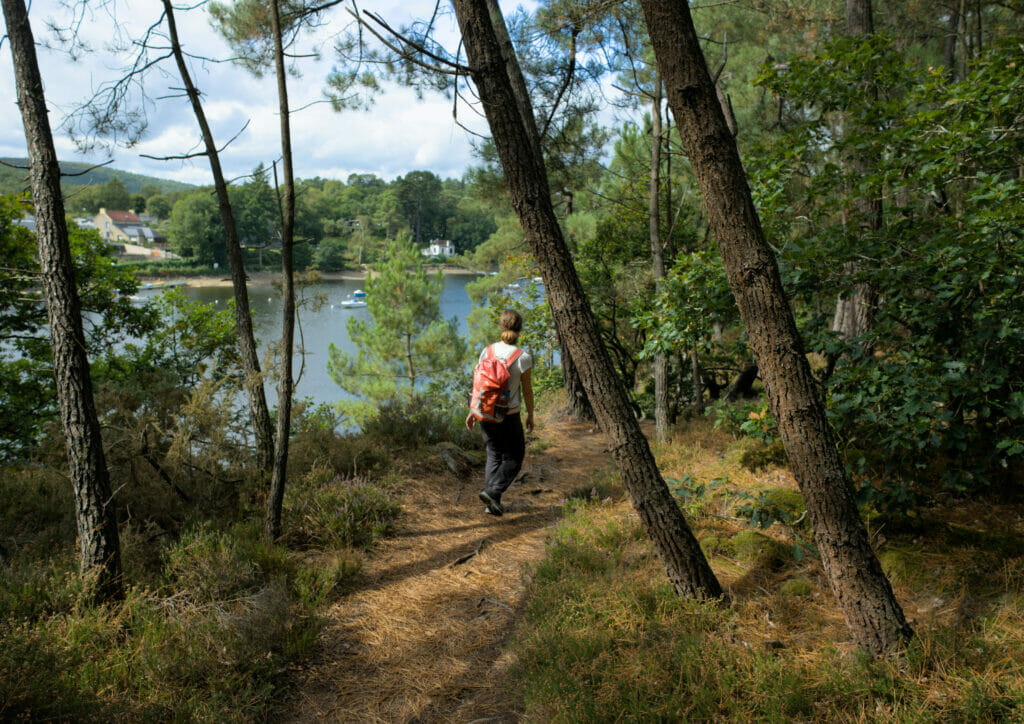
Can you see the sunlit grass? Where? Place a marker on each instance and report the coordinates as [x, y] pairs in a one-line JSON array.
[[606, 639]]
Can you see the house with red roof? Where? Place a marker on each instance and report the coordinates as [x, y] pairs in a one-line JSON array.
[[125, 227]]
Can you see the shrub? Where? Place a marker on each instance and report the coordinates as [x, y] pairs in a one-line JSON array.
[[326, 509], [416, 422]]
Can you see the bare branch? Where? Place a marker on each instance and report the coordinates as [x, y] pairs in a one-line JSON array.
[[725, 57], [569, 74], [464, 70], [455, 70], [183, 157], [91, 168], [310, 105]]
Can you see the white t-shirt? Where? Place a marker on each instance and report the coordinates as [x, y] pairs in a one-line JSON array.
[[502, 351]]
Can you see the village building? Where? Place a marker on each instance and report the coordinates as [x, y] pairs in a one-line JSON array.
[[125, 227], [439, 247]]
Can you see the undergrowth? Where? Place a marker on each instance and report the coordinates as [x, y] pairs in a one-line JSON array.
[[213, 614], [606, 639]]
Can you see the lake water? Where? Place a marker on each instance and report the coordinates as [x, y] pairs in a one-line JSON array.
[[320, 328]]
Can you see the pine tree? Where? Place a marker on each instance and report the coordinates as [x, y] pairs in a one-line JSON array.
[[406, 344]]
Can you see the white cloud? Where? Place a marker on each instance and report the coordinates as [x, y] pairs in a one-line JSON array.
[[399, 134]]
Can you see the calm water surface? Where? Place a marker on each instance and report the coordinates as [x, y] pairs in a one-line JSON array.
[[320, 328]]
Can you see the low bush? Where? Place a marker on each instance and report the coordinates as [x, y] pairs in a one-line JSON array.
[[325, 509], [205, 642], [411, 423]]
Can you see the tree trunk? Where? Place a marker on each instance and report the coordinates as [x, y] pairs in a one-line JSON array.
[[854, 315], [698, 386], [95, 512], [740, 386], [577, 403], [858, 582], [949, 46], [660, 362], [284, 384], [258, 412], [531, 198], [578, 407]]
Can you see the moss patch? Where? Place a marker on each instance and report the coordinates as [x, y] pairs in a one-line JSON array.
[[750, 545]]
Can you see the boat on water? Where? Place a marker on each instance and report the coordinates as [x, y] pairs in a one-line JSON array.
[[355, 300], [522, 284], [162, 285]]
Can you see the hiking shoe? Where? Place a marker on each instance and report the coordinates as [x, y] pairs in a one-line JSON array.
[[493, 506]]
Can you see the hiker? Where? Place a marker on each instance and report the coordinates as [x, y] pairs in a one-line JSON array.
[[503, 429]]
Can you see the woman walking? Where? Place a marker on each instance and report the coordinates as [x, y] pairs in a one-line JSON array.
[[505, 441]]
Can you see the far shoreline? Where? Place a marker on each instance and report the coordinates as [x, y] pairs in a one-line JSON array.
[[266, 278]]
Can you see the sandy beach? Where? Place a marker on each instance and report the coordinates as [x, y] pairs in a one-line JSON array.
[[266, 278]]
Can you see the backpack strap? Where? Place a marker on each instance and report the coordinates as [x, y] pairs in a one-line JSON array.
[[511, 359]]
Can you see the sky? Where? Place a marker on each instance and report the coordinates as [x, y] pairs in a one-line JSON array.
[[400, 133]]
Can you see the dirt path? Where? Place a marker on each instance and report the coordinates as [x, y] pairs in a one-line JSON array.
[[420, 637]]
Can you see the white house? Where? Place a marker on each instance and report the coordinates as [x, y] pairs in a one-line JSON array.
[[440, 247]]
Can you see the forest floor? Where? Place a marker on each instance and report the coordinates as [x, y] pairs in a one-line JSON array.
[[452, 619], [419, 635]]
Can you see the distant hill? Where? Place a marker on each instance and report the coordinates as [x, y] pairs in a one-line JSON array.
[[13, 180]]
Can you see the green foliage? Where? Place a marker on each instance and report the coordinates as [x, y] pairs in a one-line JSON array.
[[936, 406], [247, 27], [407, 424], [327, 510], [695, 296], [692, 493], [255, 210], [405, 346], [196, 230], [29, 400], [158, 206], [331, 255], [419, 197], [470, 227], [194, 341]]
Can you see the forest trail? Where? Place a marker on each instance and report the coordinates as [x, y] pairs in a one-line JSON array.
[[419, 637]]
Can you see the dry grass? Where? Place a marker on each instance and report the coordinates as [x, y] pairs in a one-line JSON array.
[[442, 625], [780, 650], [421, 637]]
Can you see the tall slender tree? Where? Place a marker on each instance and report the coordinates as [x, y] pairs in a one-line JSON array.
[[660, 361], [526, 177], [260, 33], [95, 512], [864, 594], [279, 474], [578, 405], [854, 314], [258, 411]]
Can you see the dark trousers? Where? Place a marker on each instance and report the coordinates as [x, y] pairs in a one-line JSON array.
[[506, 447]]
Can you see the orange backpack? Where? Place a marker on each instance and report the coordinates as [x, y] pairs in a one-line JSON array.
[[489, 402]]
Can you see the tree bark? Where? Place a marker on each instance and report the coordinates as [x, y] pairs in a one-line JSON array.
[[698, 385], [278, 477], [854, 316], [95, 511], [531, 198], [577, 403], [660, 363], [856, 577], [258, 412], [949, 46]]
